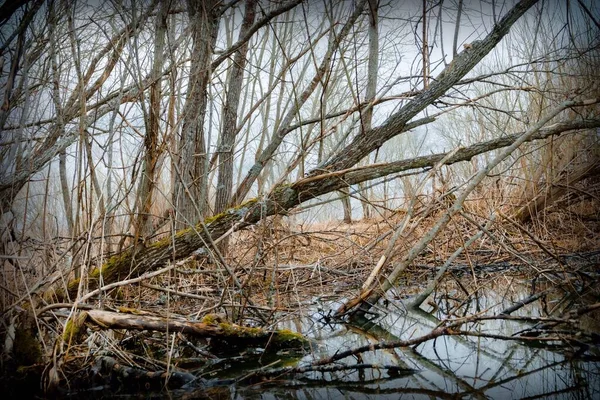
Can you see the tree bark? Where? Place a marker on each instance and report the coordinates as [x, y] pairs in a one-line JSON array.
[[190, 195], [211, 326], [228, 133], [143, 223], [371, 91]]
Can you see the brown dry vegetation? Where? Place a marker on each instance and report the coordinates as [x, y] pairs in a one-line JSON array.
[[143, 283], [284, 268]]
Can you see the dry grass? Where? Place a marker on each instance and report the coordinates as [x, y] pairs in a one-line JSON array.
[[277, 268]]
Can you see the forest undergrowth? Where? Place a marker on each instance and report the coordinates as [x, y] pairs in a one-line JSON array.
[[279, 268]]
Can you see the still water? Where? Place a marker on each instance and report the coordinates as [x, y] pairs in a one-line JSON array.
[[447, 367]]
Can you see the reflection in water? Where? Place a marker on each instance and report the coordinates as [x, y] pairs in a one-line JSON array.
[[447, 367]]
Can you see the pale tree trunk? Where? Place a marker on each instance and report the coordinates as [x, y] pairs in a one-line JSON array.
[[191, 194], [228, 132], [86, 189], [143, 223], [62, 156], [347, 206], [66, 197], [11, 79], [373, 68], [425, 49], [362, 145]]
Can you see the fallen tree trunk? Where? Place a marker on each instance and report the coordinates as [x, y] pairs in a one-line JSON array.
[[139, 260], [211, 326]]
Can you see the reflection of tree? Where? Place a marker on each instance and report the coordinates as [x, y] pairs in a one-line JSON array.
[[422, 362], [349, 390], [442, 335]]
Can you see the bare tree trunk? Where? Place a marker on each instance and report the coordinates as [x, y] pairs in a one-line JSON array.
[[191, 194], [10, 82], [372, 72], [346, 205], [425, 49], [228, 133], [62, 156], [64, 184], [143, 223], [457, 28]]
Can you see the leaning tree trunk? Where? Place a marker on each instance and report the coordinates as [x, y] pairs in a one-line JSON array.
[[372, 71], [281, 199]]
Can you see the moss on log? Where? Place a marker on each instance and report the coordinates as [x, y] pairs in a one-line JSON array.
[[211, 326]]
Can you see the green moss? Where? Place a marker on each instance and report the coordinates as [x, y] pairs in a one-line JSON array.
[[115, 261], [233, 330], [111, 270], [26, 350], [287, 338], [164, 242], [247, 204], [75, 328], [211, 319], [209, 220], [72, 287], [241, 331], [54, 295], [286, 334], [181, 233], [231, 211]]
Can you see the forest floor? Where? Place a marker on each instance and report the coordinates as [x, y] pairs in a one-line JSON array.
[[277, 269]]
